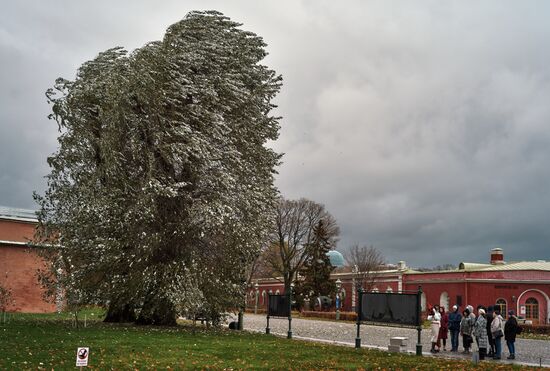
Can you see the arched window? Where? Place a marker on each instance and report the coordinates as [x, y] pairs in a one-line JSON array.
[[423, 302], [444, 300], [277, 292], [263, 297], [532, 309], [501, 304], [375, 289], [389, 289]]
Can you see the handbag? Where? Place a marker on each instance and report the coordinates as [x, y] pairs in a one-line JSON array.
[[498, 333]]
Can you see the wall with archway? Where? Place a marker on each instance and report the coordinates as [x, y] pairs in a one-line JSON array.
[[444, 300], [543, 302], [423, 304]]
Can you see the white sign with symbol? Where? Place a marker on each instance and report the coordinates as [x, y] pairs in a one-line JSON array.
[[522, 310], [82, 357]]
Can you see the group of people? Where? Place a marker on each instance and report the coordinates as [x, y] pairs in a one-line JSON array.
[[487, 330]]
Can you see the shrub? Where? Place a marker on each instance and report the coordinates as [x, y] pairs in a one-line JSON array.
[[260, 310], [536, 329], [344, 316]]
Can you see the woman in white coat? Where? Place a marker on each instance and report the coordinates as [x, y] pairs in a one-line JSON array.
[[435, 318], [497, 329]]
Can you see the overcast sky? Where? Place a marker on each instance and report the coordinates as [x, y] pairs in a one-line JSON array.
[[423, 126]]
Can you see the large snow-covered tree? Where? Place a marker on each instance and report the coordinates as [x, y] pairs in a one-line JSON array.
[[161, 191]]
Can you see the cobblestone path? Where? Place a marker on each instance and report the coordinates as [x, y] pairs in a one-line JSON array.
[[527, 351]]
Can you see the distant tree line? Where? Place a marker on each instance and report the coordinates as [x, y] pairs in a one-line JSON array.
[[443, 267]]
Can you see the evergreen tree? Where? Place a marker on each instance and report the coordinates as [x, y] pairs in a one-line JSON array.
[[161, 191], [317, 267], [294, 222]]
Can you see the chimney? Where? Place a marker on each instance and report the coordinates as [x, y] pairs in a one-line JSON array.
[[497, 256]]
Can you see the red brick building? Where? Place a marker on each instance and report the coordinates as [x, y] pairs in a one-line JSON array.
[[19, 262], [521, 286]]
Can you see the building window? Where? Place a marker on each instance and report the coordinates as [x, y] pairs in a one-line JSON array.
[[277, 292], [532, 309], [389, 289], [501, 304], [263, 297], [375, 289], [444, 300]]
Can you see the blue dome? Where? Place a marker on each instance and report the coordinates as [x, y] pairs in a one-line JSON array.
[[336, 259]]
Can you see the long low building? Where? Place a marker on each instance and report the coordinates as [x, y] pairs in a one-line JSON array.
[[521, 286]]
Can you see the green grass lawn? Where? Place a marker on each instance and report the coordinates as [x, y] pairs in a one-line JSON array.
[[50, 341]]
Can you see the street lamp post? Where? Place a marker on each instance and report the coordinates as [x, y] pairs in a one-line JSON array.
[[338, 288], [354, 287], [257, 291]]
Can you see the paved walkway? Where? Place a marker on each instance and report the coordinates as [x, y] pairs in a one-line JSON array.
[[531, 352]]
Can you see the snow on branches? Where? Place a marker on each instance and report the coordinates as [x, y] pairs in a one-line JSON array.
[[161, 191]]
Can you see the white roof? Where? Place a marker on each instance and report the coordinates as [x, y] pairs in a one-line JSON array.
[[513, 266], [24, 215]]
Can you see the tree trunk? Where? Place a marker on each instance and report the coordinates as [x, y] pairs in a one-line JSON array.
[[158, 312], [120, 313]]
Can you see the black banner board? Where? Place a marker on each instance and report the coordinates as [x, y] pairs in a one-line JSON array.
[[394, 308], [278, 306]]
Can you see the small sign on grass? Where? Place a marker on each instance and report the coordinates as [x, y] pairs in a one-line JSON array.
[[82, 354]]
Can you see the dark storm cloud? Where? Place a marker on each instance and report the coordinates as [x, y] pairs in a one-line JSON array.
[[423, 127]]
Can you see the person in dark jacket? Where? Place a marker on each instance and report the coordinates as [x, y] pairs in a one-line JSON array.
[[443, 329], [454, 327], [511, 328], [489, 317]]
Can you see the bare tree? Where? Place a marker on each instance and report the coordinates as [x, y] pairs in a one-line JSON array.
[[293, 232], [262, 267], [366, 262]]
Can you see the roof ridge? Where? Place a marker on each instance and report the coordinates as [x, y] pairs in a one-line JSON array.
[[14, 213]]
